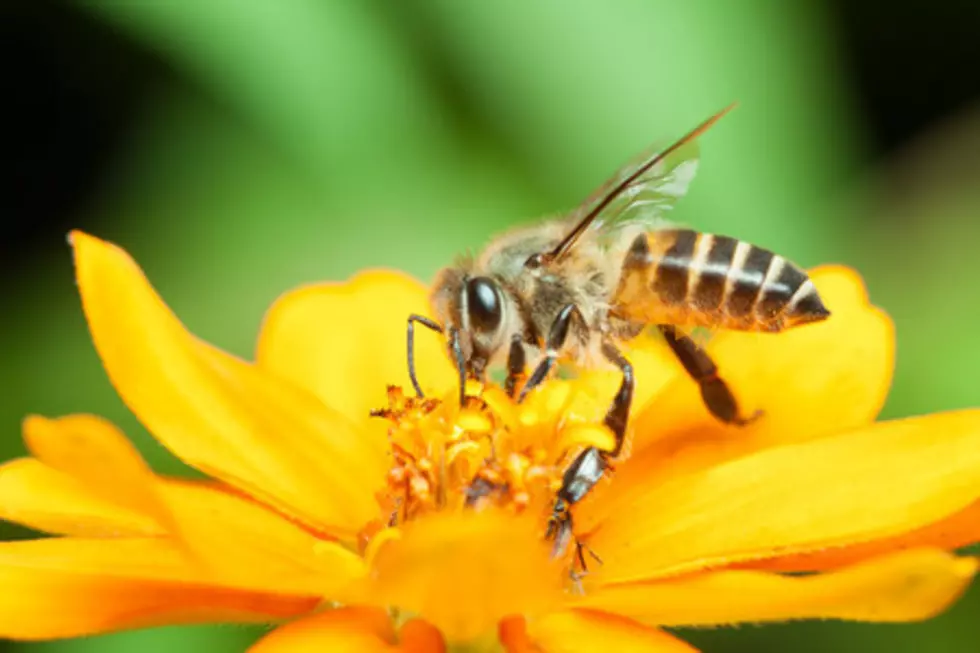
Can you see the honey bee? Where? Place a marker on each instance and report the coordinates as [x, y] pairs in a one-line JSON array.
[[571, 289]]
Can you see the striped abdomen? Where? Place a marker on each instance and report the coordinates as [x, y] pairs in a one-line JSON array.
[[683, 277]]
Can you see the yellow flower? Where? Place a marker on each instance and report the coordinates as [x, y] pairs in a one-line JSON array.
[[354, 528]]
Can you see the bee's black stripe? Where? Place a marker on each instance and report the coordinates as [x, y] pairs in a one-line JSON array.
[[670, 281], [809, 305], [709, 288], [638, 257], [778, 292], [747, 281]]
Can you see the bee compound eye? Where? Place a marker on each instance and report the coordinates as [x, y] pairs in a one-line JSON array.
[[483, 304]]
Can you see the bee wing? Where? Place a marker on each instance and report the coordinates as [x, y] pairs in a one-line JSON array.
[[641, 192], [646, 198]]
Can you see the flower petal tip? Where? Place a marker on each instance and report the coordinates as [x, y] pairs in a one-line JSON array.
[[78, 239], [844, 275], [849, 290], [31, 420], [967, 567], [74, 235]]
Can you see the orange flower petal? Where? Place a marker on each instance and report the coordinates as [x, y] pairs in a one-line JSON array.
[[907, 586], [513, 636], [957, 530], [93, 451], [361, 629], [655, 369], [217, 413], [247, 545], [244, 543], [810, 381], [418, 636], [878, 482], [464, 572], [44, 499], [57, 588], [580, 631], [345, 342]]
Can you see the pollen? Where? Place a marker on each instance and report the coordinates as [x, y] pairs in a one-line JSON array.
[[489, 452]]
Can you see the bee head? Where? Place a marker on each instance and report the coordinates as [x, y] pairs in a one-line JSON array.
[[474, 310]]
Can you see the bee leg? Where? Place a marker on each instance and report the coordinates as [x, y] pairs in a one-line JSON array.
[[516, 364], [424, 321], [578, 480], [559, 527], [582, 546], [619, 411], [457, 349], [556, 340], [561, 530], [718, 399]]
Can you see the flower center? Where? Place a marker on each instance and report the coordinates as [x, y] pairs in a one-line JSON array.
[[488, 452]]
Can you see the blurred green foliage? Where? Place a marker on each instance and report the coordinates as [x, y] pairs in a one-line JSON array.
[[306, 140]]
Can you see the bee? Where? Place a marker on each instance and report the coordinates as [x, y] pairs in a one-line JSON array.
[[574, 288]]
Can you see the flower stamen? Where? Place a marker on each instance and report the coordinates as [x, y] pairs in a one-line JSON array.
[[478, 456]]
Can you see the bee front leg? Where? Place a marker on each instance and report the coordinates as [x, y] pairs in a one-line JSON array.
[[426, 322], [557, 336], [516, 364], [718, 399]]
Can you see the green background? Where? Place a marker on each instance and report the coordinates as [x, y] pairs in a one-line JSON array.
[[306, 140]]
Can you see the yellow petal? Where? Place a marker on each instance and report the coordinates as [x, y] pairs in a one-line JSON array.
[[958, 529], [219, 414], [874, 483], [809, 381], [44, 499], [360, 629], [243, 543], [58, 588], [464, 572], [579, 631], [907, 586], [655, 369], [346, 342], [247, 545], [98, 455]]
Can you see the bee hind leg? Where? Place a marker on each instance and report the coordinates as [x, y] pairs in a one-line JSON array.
[[717, 397]]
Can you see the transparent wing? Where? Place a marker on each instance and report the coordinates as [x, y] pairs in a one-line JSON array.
[[640, 192], [647, 198]]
